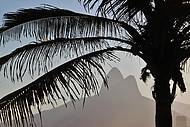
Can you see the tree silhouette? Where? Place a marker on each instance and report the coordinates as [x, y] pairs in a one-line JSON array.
[[157, 31]]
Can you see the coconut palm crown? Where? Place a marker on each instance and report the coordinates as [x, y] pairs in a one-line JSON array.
[[157, 31]]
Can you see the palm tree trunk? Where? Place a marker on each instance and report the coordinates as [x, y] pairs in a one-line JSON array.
[[163, 115], [162, 96]]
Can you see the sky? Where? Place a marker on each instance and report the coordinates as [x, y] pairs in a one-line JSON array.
[[129, 65]]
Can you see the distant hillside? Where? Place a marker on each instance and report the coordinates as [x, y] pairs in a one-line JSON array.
[[119, 106]]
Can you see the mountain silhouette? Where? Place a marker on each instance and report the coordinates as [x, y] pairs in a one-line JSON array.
[[121, 105]]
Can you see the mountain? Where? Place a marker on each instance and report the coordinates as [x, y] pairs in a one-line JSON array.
[[121, 105]]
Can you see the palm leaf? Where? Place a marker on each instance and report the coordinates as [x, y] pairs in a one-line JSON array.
[[145, 74], [38, 57], [177, 8], [179, 32], [65, 81], [119, 9], [46, 23]]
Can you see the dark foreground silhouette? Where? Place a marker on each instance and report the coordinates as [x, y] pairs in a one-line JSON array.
[[157, 31]]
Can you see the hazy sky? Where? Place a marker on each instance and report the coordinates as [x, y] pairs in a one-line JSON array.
[[128, 65]]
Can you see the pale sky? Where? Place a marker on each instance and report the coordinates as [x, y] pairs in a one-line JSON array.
[[128, 65]]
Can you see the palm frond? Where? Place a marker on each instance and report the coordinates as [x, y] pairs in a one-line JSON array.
[[68, 80], [38, 57], [180, 31], [119, 9], [177, 8], [178, 79], [137, 37], [46, 23], [145, 74]]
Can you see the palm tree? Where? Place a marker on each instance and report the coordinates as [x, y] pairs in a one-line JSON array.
[[157, 31]]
